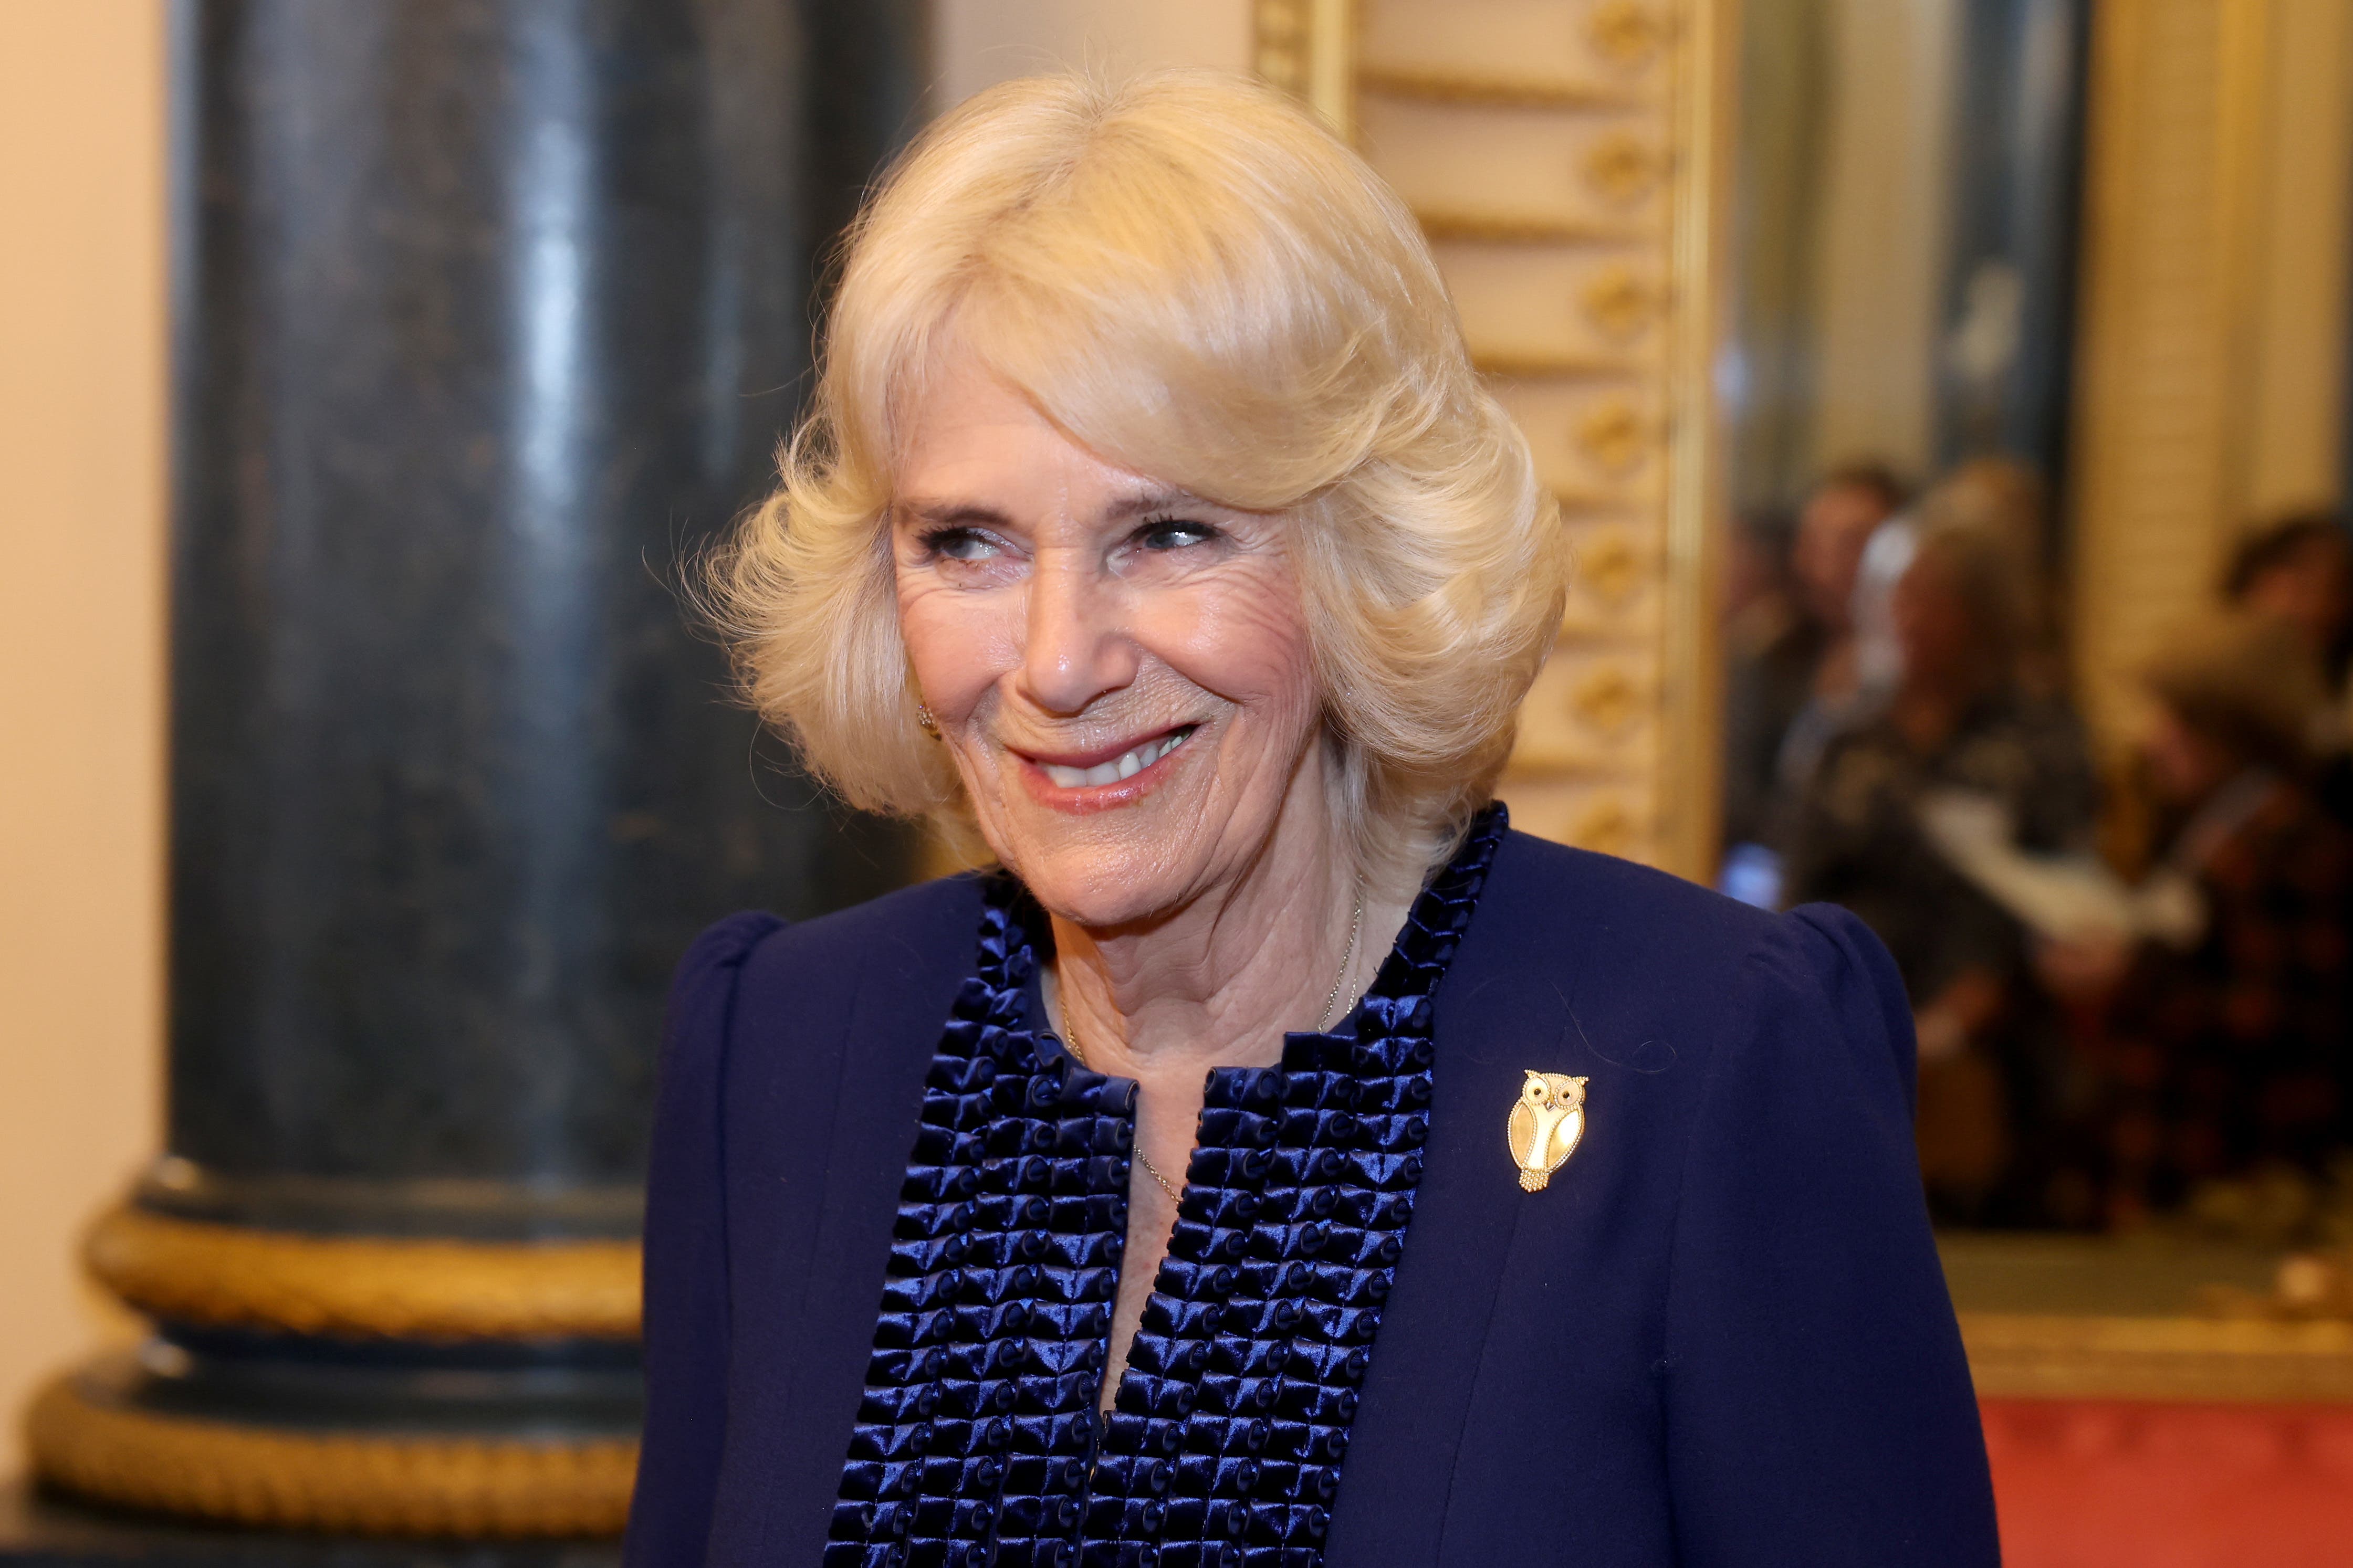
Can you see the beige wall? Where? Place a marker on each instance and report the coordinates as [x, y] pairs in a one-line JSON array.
[[81, 488], [976, 43]]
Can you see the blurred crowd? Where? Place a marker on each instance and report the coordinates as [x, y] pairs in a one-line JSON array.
[[2127, 965]]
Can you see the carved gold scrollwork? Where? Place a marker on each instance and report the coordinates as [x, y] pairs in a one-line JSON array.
[[1609, 701], [1622, 168], [1609, 566], [1621, 302], [1283, 43], [1307, 47], [1627, 34], [1539, 366], [1488, 89], [1614, 435], [1605, 175], [1585, 502], [1519, 228]]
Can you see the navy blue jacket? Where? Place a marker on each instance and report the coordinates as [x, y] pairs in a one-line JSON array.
[[1720, 1336]]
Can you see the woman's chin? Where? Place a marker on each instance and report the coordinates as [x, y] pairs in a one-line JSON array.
[[1100, 891], [1133, 849], [1102, 871]]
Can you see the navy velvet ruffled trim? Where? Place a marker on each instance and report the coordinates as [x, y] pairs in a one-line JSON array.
[[978, 1440]]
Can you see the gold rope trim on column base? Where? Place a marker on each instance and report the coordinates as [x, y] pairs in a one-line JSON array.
[[366, 1287], [353, 1482]]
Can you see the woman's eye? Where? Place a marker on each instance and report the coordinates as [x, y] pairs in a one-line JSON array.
[[1170, 533], [959, 544]]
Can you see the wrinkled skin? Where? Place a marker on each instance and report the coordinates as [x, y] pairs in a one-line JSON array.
[[1059, 612]]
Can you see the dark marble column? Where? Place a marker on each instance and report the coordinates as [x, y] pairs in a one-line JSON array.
[[488, 314]]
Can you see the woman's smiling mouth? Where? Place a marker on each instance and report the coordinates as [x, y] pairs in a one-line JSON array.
[[1119, 769]]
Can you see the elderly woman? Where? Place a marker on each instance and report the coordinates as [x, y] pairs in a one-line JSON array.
[[1279, 1161]]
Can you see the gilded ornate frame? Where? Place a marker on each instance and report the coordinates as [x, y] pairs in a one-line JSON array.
[[1662, 802]]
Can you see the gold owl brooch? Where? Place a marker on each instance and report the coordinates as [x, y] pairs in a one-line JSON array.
[[1547, 1120]]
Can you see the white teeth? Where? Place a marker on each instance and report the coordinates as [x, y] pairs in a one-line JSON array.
[[1126, 765]]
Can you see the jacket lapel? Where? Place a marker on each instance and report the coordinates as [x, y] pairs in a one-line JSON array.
[[1418, 1391]]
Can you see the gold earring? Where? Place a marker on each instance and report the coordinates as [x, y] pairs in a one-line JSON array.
[[923, 719]]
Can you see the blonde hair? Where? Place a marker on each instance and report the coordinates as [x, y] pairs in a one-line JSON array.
[[1196, 281]]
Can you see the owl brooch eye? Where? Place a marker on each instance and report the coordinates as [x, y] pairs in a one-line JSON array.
[[1547, 1123]]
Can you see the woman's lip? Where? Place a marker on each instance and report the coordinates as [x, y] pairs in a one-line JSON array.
[[1100, 756], [1079, 800]]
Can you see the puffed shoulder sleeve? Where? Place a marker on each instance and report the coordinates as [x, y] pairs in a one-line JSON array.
[[1819, 1406], [686, 1256]]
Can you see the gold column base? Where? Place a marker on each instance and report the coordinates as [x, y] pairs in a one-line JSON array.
[[356, 1482], [223, 1275]]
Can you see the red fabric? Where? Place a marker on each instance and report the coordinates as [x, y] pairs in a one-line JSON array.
[[2118, 1484]]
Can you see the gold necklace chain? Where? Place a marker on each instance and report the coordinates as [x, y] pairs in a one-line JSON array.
[[1331, 1003], [1347, 957]]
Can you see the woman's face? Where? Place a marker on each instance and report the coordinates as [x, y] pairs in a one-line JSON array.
[[1121, 671], [1933, 625]]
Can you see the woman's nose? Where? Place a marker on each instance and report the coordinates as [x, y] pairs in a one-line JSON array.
[[1076, 649]]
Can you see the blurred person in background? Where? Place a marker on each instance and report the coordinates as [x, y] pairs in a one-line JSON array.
[[2220, 1049], [2298, 571], [2008, 501], [1959, 720], [1835, 528]]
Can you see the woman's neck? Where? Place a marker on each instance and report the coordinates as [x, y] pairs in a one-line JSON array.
[[1216, 981]]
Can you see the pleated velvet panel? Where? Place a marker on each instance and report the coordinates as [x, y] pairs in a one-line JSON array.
[[978, 1438]]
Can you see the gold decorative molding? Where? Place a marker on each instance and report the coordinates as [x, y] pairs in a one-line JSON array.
[[2066, 1356], [1307, 49], [1702, 36], [286, 1479], [1609, 701], [1496, 91], [1621, 303], [1627, 34], [1524, 228], [1578, 503], [1283, 43], [1536, 366], [1623, 168], [1609, 566], [1590, 139], [366, 1287], [1614, 435]]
